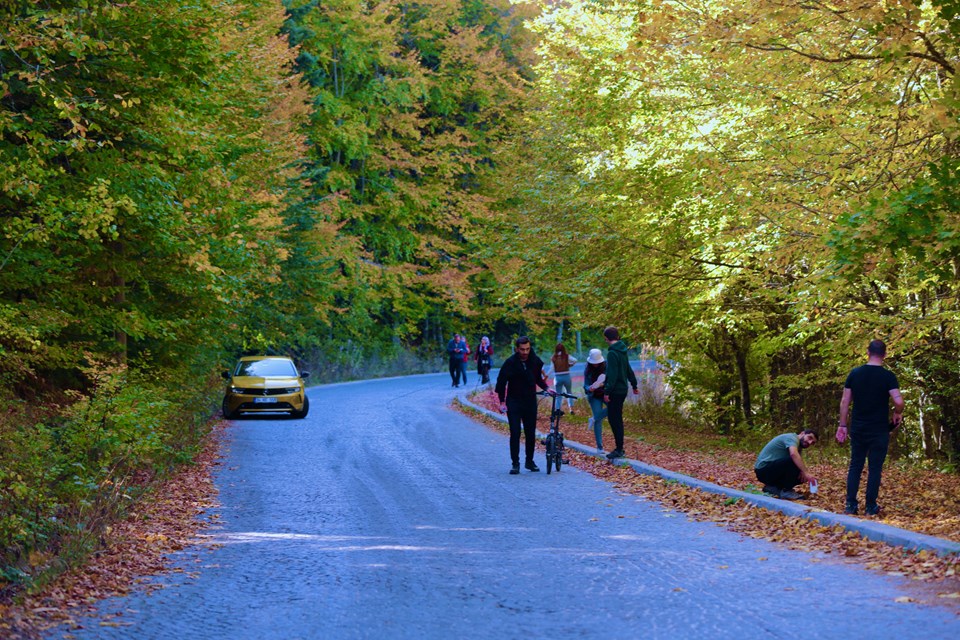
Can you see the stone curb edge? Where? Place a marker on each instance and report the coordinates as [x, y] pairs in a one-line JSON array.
[[878, 531]]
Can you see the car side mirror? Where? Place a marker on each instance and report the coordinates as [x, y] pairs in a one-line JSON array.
[[304, 374], [225, 375]]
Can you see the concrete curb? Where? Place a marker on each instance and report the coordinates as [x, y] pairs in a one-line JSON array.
[[869, 529]]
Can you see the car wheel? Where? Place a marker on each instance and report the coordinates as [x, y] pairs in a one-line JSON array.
[[303, 412], [229, 415]]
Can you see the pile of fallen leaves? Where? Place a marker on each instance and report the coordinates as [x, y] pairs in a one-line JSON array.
[[133, 550], [921, 501]]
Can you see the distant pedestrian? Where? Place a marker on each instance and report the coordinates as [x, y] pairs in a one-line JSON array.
[[464, 359], [594, 375], [619, 374], [484, 358], [780, 467], [870, 388], [560, 363], [517, 383], [455, 354]]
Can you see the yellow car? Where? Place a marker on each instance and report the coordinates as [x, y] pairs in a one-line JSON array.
[[265, 384]]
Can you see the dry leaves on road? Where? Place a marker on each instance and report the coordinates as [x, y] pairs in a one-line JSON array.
[[134, 549], [735, 469]]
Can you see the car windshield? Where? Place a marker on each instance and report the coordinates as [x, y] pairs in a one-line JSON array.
[[266, 368]]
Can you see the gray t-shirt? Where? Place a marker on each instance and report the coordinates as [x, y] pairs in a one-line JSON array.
[[777, 449]]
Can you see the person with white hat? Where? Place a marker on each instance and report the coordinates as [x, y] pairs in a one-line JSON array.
[[594, 376]]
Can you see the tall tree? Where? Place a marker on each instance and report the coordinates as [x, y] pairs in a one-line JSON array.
[[752, 175], [136, 211], [412, 103]]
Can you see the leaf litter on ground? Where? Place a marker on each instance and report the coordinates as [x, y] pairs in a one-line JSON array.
[[922, 501], [134, 549]]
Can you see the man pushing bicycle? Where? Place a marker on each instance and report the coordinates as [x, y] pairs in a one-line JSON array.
[[517, 383]]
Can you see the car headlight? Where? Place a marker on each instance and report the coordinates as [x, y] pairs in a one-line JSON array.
[[236, 390], [292, 390]]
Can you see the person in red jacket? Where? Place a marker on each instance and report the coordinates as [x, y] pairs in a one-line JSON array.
[[465, 359]]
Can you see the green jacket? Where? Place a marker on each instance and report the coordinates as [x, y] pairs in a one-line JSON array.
[[619, 372]]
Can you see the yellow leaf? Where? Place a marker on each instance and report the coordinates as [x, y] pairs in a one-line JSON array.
[[955, 594]]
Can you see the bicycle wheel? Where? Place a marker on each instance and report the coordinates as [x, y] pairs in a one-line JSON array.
[[551, 448], [558, 459]]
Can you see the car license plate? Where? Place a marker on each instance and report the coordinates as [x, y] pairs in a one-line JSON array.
[[264, 400]]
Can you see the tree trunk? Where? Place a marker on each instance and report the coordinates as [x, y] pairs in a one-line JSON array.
[[745, 404], [119, 302]]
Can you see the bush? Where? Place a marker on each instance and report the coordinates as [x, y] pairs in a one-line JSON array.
[[63, 480]]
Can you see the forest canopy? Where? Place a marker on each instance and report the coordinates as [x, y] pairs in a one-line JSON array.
[[760, 187]]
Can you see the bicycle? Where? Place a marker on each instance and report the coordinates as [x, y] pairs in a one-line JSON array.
[[553, 442]]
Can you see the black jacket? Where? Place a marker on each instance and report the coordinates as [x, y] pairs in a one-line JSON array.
[[518, 380]]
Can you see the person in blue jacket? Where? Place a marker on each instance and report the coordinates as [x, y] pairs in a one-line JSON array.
[[455, 352]]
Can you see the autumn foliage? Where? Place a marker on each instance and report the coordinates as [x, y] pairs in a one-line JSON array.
[[754, 187], [182, 182], [761, 188]]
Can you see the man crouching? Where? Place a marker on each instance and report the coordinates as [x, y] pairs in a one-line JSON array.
[[779, 466]]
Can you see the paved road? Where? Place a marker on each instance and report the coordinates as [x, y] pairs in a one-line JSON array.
[[385, 514]]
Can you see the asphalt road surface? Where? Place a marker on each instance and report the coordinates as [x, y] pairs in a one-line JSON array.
[[385, 514]]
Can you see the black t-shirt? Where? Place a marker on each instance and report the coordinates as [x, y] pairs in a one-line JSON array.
[[870, 386], [518, 380]]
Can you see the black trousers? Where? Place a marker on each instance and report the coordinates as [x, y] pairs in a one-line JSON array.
[[870, 447], [524, 413], [483, 370], [455, 370], [782, 474], [615, 417]]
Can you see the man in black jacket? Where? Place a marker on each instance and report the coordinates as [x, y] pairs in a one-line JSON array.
[[517, 383]]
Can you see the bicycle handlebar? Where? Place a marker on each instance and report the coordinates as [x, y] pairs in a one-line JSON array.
[[555, 394]]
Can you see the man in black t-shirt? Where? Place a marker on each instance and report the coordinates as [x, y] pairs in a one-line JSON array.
[[870, 388], [517, 383]]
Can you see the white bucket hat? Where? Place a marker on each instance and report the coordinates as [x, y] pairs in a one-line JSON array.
[[595, 357]]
